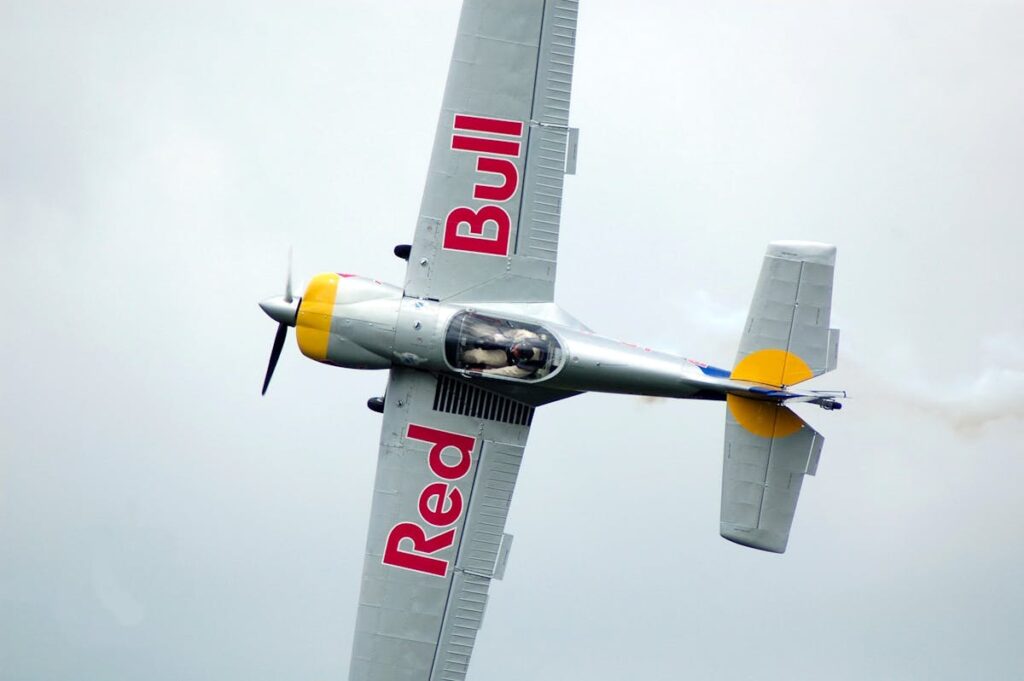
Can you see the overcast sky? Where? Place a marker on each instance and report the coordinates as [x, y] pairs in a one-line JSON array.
[[159, 520]]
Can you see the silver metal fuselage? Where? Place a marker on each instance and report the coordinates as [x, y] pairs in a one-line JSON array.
[[373, 326]]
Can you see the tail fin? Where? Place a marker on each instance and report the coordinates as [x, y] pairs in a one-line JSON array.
[[787, 338]]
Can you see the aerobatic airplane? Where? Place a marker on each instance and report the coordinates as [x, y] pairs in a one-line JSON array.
[[474, 343]]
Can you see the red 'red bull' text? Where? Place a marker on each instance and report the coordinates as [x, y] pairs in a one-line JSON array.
[[486, 230], [440, 505]]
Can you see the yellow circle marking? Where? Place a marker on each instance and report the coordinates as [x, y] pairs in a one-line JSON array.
[[772, 366], [763, 418]]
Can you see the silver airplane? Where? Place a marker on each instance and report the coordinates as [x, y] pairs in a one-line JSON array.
[[474, 343]]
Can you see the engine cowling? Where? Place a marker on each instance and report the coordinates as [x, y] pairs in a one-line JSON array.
[[348, 321]]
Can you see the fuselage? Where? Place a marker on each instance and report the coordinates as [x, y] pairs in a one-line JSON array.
[[355, 322]]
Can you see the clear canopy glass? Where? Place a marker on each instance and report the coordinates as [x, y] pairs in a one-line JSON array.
[[506, 348]]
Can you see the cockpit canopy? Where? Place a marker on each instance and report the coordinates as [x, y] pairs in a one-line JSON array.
[[504, 348]]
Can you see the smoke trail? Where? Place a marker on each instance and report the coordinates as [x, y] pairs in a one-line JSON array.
[[968, 404]]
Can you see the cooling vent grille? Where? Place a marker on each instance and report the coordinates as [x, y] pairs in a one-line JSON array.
[[453, 396]]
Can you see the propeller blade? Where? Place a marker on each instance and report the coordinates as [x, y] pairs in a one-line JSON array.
[[288, 284], [275, 354]]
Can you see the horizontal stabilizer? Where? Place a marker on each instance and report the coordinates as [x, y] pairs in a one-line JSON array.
[[787, 338], [768, 451]]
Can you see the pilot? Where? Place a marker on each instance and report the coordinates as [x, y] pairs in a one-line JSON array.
[[485, 356], [526, 356], [486, 346], [515, 352]]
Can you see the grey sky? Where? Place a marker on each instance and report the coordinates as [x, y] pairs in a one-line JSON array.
[[159, 520]]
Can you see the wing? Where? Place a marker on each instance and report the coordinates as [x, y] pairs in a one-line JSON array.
[[488, 223], [449, 457]]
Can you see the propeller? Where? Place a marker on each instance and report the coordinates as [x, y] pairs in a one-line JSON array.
[[284, 310]]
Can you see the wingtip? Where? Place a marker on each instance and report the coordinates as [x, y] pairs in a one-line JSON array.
[[810, 251], [760, 539]]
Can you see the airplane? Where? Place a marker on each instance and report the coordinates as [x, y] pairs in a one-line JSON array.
[[474, 343]]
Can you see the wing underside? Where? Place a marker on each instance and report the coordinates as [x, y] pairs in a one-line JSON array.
[[450, 451], [489, 219], [448, 462]]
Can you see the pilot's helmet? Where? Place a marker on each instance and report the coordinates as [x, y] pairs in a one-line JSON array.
[[521, 350]]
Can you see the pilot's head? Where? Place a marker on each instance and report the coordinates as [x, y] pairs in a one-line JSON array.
[[521, 351]]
